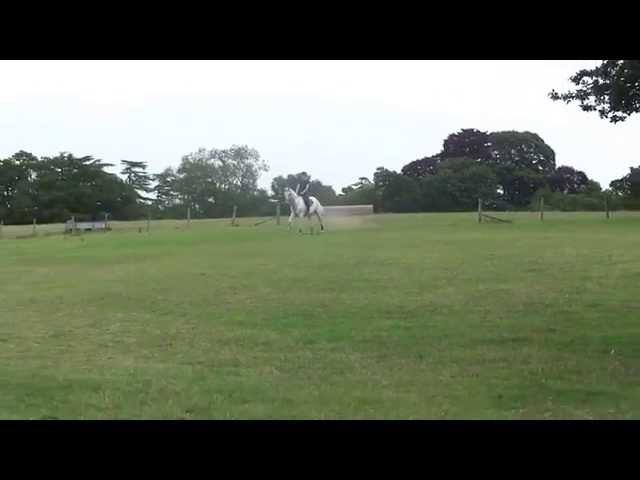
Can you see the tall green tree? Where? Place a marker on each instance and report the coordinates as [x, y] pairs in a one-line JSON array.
[[400, 194], [18, 191], [381, 179], [166, 189], [135, 174], [212, 181], [522, 161], [458, 184], [278, 185]]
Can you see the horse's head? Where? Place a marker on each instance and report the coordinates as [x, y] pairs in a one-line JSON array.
[[289, 195]]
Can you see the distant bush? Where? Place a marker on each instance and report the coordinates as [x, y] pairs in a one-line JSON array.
[[575, 202], [631, 203]]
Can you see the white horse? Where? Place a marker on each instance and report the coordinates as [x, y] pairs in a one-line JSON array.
[[299, 209]]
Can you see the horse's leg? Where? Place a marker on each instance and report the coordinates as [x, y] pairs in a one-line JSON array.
[[310, 223], [290, 220], [320, 220]]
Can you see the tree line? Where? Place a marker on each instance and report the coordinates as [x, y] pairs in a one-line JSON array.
[[507, 170], [52, 189]]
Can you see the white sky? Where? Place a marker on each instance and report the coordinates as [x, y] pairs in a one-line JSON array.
[[338, 120]]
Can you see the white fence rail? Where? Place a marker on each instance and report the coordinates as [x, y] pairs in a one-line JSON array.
[[85, 226], [348, 210]]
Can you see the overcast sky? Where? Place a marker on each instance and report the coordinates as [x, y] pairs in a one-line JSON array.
[[338, 120]]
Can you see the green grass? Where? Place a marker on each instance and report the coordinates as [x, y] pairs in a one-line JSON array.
[[390, 316]]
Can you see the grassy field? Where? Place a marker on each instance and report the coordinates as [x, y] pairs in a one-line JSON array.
[[390, 316]]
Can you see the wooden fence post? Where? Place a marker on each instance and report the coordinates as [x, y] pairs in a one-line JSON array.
[[34, 226], [606, 206], [541, 208], [278, 214], [479, 210], [1, 225], [188, 217], [235, 211]]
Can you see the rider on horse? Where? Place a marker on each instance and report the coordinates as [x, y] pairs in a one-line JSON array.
[[304, 193]]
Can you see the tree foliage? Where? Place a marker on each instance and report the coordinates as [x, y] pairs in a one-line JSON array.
[[468, 143], [52, 189], [211, 182], [627, 188], [522, 161], [421, 167], [506, 169], [135, 174], [461, 181], [401, 194], [324, 193], [612, 89], [567, 179], [519, 162], [361, 192]]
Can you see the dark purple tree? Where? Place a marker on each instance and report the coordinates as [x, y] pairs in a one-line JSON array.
[[568, 180], [421, 167], [467, 143]]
